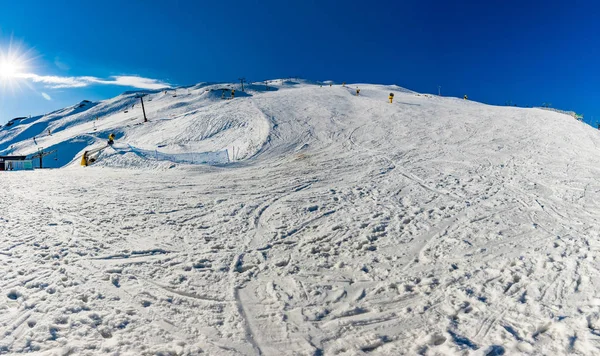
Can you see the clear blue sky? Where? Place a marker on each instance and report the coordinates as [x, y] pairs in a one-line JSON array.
[[528, 52]]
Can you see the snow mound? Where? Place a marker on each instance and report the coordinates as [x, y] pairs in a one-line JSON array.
[[200, 120]]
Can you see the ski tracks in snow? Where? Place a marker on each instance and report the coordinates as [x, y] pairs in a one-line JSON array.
[[362, 228]]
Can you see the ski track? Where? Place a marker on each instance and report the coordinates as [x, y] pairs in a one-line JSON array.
[[431, 226]]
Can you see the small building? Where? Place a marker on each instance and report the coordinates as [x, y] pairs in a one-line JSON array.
[[15, 163]]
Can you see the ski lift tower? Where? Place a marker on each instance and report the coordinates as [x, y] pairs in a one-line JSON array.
[[141, 97], [41, 154]]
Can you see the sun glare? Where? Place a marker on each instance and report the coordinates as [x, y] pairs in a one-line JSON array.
[[8, 69], [14, 64]]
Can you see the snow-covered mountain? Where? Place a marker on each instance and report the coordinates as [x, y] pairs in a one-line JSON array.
[[325, 223]]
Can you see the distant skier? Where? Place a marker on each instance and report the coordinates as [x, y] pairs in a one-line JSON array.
[[232, 93], [111, 139], [466, 97], [34, 141], [357, 91], [391, 97]]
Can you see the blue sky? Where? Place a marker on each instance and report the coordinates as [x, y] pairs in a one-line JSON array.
[[526, 52]]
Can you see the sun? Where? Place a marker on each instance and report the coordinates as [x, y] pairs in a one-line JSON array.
[[9, 69], [14, 65]]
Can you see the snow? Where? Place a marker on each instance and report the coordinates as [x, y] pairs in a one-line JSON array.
[[341, 225]]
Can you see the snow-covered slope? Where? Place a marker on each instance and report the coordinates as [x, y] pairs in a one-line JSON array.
[[344, 225]]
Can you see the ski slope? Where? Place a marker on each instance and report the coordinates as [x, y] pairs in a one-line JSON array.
[[340, 225]]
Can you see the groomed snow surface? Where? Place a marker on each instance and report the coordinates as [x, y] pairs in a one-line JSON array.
[[340, 225]]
